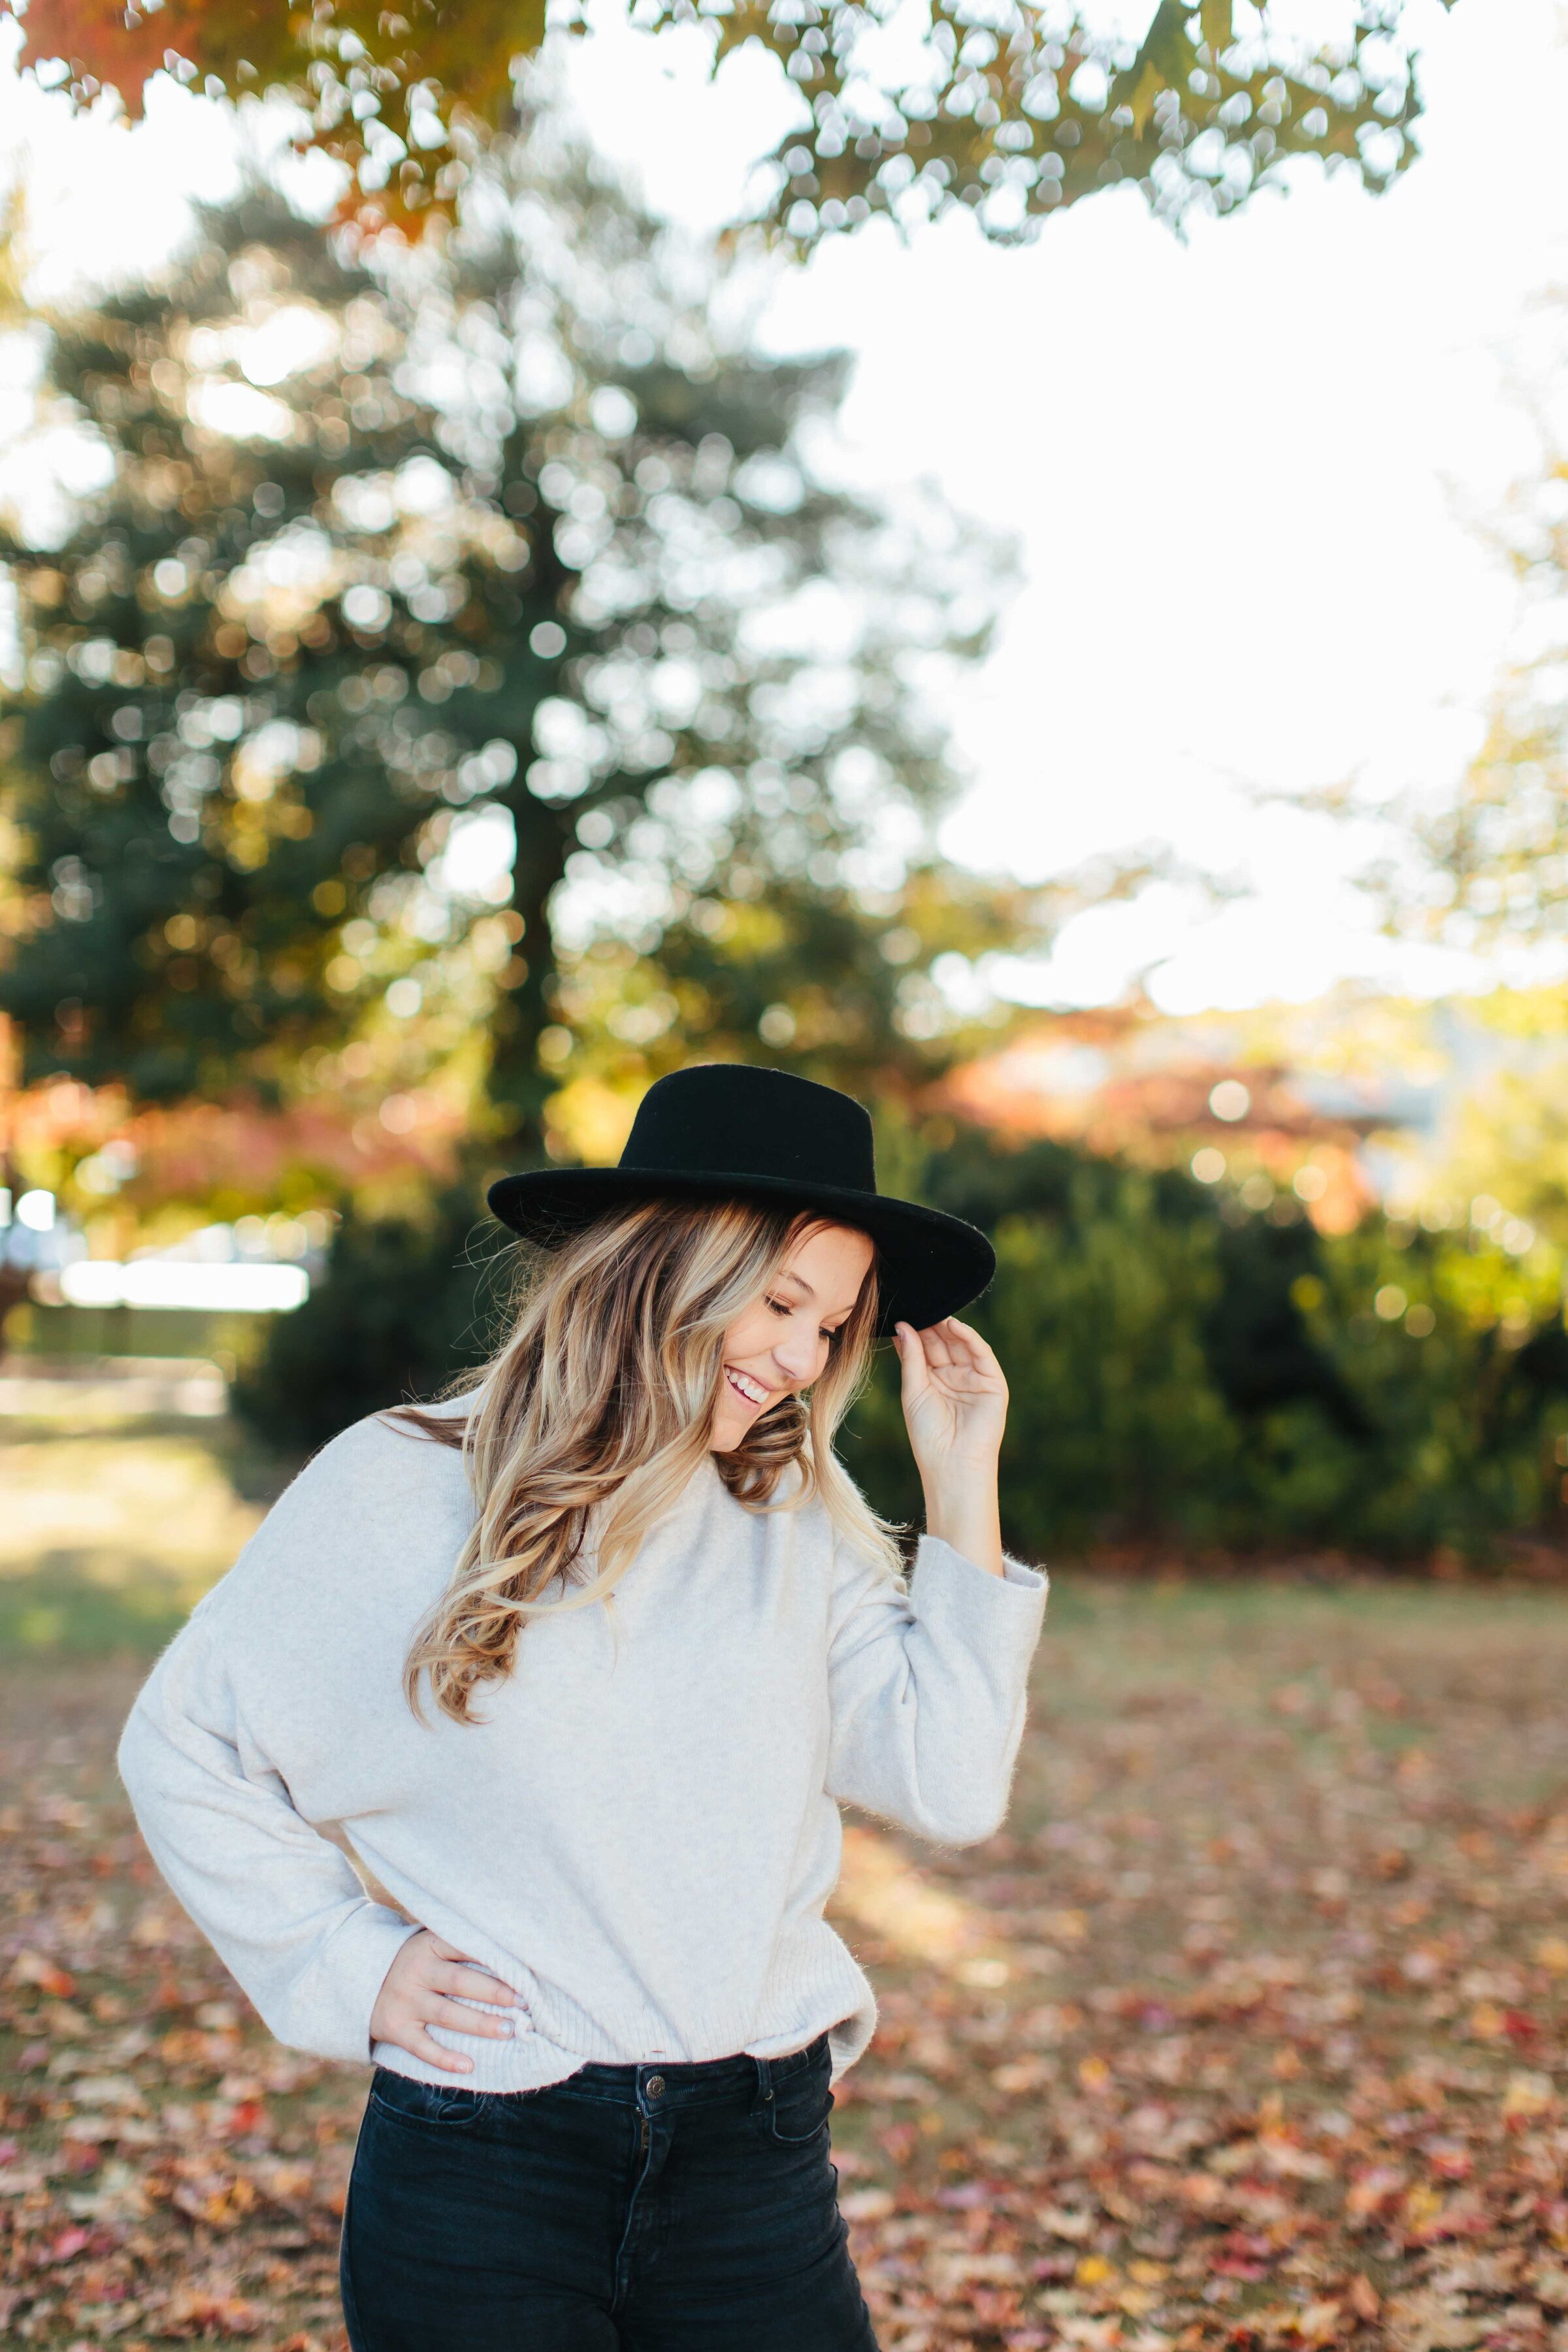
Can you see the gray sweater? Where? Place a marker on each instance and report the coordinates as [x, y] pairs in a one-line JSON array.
[[640, 1834]]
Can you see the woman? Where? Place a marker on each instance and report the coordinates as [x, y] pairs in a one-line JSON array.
[[575, 1667]]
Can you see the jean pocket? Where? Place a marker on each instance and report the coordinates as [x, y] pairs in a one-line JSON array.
[[801, 2103], [410, 2102]]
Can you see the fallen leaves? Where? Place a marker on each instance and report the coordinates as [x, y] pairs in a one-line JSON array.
[[1222, 2054], [210, 2310], [31, 1968], [167, 2175], [1300, 2083]]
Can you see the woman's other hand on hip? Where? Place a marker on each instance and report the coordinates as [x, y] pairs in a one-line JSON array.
[[428, 1984]]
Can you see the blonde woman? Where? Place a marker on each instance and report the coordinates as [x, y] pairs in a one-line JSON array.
[[574, 1670]]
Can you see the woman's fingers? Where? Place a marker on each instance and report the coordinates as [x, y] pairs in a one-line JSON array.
[[938, 1357], [419, 2045], [457, 1973], [957, 1350], [969, 1339], [458, 2020], [981, 1348], [475, 1984], [950, 1341], [413, 2034]]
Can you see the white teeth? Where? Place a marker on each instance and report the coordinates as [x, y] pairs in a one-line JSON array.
[[753, 1391]]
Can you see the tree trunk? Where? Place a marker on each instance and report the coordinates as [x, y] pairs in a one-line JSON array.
[[519, 1085]]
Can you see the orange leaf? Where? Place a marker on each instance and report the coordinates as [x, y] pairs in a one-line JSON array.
[[32, 1968], [1362, 2298]]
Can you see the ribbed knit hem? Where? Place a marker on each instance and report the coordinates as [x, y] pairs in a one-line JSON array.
[[817, 1988]]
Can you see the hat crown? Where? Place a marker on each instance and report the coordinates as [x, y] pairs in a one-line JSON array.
[[736, 1119], [734, 1131]]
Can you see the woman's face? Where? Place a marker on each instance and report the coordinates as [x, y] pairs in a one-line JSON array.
[[781, 1343]]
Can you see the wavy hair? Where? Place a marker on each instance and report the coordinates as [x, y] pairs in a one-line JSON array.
[[588, 1422]]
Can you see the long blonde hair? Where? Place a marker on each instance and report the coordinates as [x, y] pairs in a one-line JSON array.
[[602, 1395]]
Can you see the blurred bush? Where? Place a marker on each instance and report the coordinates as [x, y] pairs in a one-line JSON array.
[[1454, 1355], [1098, 1313], [404, 1303], [1180, 1367]]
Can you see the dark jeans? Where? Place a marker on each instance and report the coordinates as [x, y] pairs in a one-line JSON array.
[[629, 2209]]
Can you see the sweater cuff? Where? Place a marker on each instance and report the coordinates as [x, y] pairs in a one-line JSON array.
[[355, 1963], [1030, 1583]]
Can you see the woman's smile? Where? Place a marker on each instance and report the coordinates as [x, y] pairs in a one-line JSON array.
[[793, 1325]]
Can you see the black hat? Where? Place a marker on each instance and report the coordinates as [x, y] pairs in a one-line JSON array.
[[729, 1130]]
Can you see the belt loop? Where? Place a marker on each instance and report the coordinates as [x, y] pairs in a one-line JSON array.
[[764, 2083]]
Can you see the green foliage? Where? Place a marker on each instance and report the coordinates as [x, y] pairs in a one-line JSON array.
[[218, 767], [1117, 1422], [1017, 110], [1180, 1369], [1023, 113], [1104, 1314], [1453, 1351], [807, 975]]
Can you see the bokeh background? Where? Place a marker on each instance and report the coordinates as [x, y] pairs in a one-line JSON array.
[[591, 599]]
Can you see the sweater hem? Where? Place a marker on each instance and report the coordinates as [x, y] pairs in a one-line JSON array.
[[839, 2003]]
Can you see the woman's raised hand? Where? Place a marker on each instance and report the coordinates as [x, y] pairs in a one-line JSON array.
[[419, 1990], [955, 1398], [955, 1408]]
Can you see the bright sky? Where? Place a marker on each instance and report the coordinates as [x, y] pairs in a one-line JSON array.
[[1247, 473]]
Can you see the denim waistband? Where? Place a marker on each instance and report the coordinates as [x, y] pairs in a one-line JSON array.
[[687, 2082]]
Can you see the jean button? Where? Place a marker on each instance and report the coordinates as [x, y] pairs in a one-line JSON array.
[[655, 2086]]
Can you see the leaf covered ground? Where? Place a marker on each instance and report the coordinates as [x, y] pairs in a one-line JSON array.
[[1249, 2032]]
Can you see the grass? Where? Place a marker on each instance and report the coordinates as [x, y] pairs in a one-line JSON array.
[[1247, 2031], [111, 1533]]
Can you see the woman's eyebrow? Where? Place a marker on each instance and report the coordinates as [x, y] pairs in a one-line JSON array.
[[799, 1280]]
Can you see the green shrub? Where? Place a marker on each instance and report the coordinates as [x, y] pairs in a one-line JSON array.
[[1180, 1366], [1445, 1343]]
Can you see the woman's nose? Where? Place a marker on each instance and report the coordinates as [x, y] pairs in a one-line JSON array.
[[794, 1357]]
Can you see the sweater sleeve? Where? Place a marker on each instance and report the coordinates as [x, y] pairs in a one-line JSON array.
[[279, 1903], [928, 1687]]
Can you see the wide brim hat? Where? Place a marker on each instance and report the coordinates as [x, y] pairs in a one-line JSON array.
[[732, 1131]]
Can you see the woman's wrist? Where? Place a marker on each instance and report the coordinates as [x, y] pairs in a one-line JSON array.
[[965, 1513]]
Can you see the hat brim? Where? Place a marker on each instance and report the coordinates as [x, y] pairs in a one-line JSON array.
[[929, 1264]]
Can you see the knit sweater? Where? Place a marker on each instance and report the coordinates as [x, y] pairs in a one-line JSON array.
[[639, 1834]]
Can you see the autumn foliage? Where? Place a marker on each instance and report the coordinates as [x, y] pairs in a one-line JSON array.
[[1248, 2036], [1016, 113]]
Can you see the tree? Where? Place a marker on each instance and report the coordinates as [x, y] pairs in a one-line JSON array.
[[874, 990], [393, 543], [1018, 111], [213, 766]]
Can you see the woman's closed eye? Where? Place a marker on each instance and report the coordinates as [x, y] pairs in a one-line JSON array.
[[826, 1331]]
